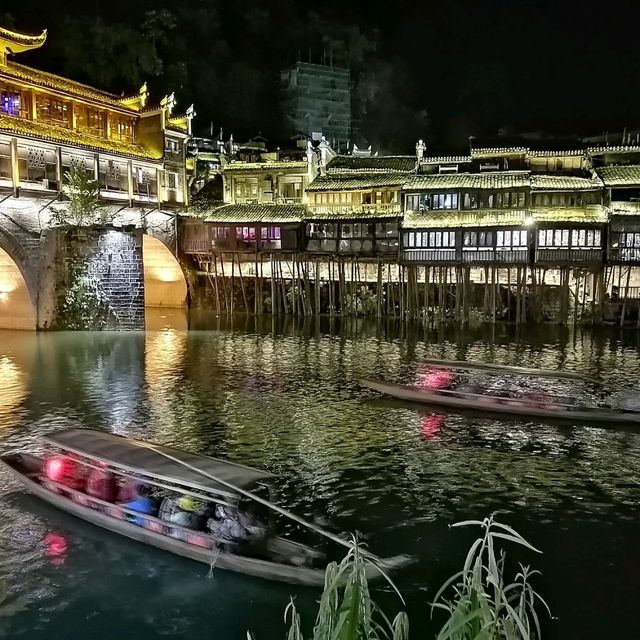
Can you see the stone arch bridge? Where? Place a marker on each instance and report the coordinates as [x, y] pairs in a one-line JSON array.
[[131, 264]]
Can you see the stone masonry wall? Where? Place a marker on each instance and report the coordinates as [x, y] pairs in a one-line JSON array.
[[102, 267]]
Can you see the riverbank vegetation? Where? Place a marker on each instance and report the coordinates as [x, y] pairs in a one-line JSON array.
[[479, 602]]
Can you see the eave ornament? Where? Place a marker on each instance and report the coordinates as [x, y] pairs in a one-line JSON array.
[[12, 42]]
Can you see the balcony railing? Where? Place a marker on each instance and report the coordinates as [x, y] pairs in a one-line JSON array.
[[570, 256], [428, 256], [503, 256], [512, 256], [342, 209], [196, 246], [624, 254]]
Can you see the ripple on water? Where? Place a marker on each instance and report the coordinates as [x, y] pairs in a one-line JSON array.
[[290, 401]]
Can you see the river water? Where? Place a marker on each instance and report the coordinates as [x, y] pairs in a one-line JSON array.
[[286, 397]]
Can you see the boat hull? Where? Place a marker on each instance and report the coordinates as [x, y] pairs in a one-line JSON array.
[[19, 466], [505, 406]]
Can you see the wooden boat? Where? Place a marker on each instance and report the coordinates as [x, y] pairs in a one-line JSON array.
[[206, 478], [544, 408], [466, 365]]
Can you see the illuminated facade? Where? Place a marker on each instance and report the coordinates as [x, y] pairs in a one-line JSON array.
[[516, 206], [355, 206], [49, 124], [262, 211]]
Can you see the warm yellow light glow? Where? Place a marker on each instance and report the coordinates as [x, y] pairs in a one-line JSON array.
[[167, 275], [164, 282], [12, 390], [10, 277], [16, 308], [528, 221]]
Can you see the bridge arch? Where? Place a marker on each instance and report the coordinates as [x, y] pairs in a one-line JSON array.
[[164, 281], [18, 286]]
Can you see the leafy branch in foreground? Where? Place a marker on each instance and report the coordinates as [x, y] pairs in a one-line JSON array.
[[480, 605]]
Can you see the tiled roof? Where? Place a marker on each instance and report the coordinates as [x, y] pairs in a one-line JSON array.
[[356, 213], [280, 165], [357, 163], [178, 123], [350, 180], [491, 151], [23, 39], [247, 213], [42, 131], [446, 160], [497, 180], [13, 71], [556, 153], [564, 183], [450, 219], [590, 213], [631, 148], [208, 156], [620, 176]]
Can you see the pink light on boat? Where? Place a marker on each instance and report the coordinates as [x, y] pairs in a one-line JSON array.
[[437, 379], [55, 468]]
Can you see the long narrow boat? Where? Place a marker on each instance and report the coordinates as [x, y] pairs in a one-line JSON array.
[[545, 408], [466, 365], [207, 478]]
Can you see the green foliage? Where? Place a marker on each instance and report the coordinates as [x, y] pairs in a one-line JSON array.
[[346, 610], [85, 306], [134, 47], [83, 208], [199, 50], [480, 606]]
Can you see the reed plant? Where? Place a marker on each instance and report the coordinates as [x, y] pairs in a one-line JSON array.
[[346, 610], [480, 604]]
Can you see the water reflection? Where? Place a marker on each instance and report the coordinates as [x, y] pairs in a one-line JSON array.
[[286, 397], [12, 390]]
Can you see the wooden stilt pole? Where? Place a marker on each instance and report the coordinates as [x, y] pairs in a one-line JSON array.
[[227, 304], [244, 294], [233, 280], [524, 293], [623, 312], [379, 290], [215, 275], [274, 300], [331, 293], [283, 288], [425, 311], [317, 286]]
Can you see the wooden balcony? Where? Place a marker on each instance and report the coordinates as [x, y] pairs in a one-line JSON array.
[[624, 255], [355, 210], [569, 256], [430, 256], [502, 256], [196, 246]]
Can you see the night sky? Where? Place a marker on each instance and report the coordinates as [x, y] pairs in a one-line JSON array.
[[439, 70]]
